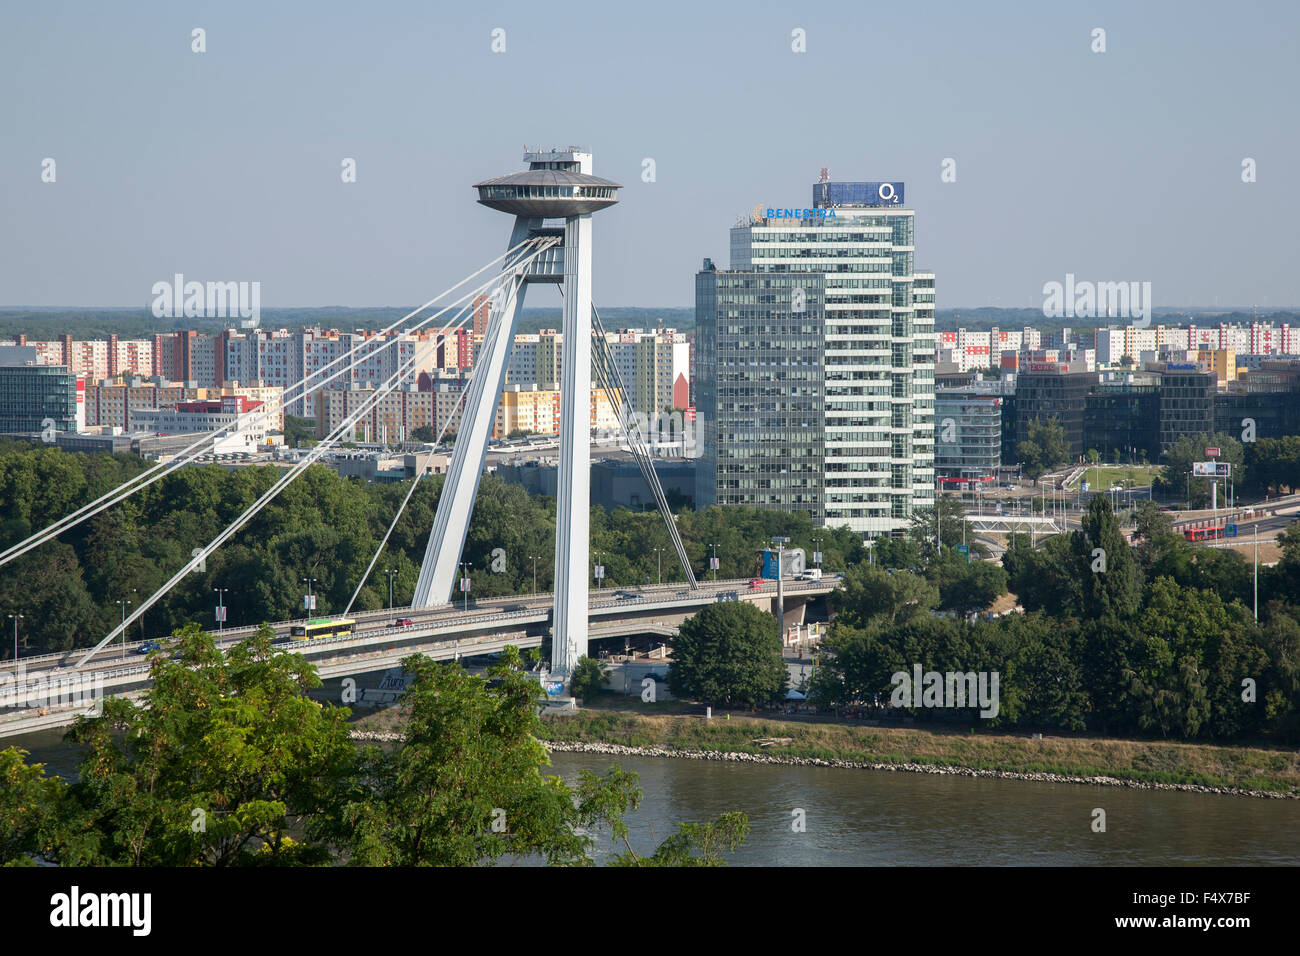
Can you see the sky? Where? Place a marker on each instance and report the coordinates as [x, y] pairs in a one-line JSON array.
[[225, 165]]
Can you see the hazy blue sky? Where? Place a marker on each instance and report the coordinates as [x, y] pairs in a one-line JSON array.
[[1123, 165]]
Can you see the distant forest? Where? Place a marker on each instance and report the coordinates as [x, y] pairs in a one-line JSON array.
[[47, 324]]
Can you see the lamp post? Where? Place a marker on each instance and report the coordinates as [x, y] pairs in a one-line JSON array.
[[123, 603], [310, 603], [780, 587], [15, 618], [390, 572], [534, 557], [221, 608], [464, 585], [659, 555], [599, 570], [1256, 578], [713, 562]]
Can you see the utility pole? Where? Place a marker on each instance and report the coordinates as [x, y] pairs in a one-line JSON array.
[[534, 557], [1256, 576]]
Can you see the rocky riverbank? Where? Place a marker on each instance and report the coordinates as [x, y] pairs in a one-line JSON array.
[[617, 750]]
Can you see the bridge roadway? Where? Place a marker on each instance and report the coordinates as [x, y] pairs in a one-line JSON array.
[[440, 632]]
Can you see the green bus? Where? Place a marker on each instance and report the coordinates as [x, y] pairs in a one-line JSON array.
[[322, 627]]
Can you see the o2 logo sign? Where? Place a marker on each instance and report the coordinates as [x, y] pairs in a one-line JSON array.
[[886, 193]]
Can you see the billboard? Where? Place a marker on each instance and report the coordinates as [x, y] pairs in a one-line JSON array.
[[858, 194], [1211, 469]]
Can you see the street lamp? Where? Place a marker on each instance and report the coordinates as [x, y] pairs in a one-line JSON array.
[[15, 618], [390, 572], [464, 585], [534, 557], [713, 561], [310, 603], [599, 570], [659, 552], [221, 608], [124, 604]]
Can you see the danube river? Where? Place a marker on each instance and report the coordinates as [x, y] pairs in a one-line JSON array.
[[878, 818]]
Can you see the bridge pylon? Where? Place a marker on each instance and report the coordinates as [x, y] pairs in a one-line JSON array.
[[558, 185]]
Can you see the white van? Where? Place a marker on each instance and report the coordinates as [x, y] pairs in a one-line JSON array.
[[811, 574]]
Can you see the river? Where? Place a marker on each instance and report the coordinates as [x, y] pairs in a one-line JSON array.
[[876, 818]]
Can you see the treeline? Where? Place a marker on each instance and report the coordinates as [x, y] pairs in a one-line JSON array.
[[322, 527], [231, 763], [1154, 639]]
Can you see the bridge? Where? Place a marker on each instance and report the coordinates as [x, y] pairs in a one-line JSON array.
[[552, 203], [45, 693]]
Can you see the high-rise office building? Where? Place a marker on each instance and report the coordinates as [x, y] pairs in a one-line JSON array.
[[815, 363]]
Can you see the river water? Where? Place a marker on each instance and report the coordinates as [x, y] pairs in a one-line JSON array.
[[878, 818]]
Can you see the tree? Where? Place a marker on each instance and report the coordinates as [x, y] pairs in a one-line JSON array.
[[588, 678], [708, 840], [299, 432], [1112, 581], [424, 433], [466, 786], [228, 755], [1044, 449], [729, 653], [875, 595], [30, 809]]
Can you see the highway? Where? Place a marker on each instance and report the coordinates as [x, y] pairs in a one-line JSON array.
[[441, 632]]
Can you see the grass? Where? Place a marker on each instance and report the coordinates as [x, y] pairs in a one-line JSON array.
[[1254, 768], [1100, 478]]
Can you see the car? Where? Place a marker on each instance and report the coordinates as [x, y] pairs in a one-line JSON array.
[[403, 622], [625, 595], [148, 647], [515, 607], [755, 584]]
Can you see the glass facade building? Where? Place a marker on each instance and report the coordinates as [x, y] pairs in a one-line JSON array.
[[815, 367], [967, 432], [29, 394]]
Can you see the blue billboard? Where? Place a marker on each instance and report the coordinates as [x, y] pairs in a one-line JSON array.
[[769, 565], [858, 194]]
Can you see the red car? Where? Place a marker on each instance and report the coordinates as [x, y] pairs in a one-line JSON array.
[[403, 622], [755, 584]]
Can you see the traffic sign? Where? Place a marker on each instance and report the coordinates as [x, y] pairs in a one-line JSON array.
[[1211, 453]]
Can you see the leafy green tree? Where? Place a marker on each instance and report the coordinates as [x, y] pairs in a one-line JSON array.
[[875, 595], [729, 653], [424, 433], [228, 756], [588, 678], [966, 587], [1044, 448], [695, 844], [1112, 580], [31, 804], [299, 432], [466, 787]]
